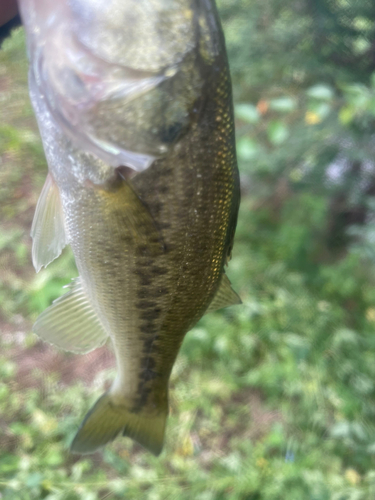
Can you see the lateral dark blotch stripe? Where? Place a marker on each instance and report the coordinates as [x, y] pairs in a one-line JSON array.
[[125, 238], [160, 271], [148, 375], [145, 279], [168, 247], [146, 304], [156, 208], [163, 189], [165, 172], [148, 328], [149, 343], [148, 371], [148, 362], [152, 314], [141, 400], [141, 249], [146, 262]]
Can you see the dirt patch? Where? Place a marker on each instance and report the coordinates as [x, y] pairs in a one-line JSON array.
[[68, 367], [256, 419], [262, 418], [252, 422]]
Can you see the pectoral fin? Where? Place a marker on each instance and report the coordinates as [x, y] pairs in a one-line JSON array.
[[71, 322], [47, 230], [131, 213], [225, 296]]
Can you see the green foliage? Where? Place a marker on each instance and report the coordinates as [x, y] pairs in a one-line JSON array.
[[270, 400]]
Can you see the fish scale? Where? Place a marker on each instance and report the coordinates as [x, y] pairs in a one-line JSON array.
[[206, 202], [143, 184]]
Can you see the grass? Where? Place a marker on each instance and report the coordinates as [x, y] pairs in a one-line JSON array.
[[269, 400]]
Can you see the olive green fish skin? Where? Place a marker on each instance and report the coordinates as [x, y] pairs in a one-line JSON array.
[[197, 216], [150, 287], [150, 302]]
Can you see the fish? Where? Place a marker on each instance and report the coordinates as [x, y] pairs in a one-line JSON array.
[[134, 105]]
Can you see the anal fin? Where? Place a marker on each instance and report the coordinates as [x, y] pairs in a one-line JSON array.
[[47, 230], [225, 296], [71, 322]]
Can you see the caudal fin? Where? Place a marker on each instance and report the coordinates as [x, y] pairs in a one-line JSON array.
[[106, 420]]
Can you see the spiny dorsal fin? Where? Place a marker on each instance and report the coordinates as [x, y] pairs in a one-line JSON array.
[[71, 322], [225, 296], [47, 230]]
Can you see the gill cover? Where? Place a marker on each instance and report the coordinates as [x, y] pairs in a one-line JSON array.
[[83, 80], [72, 80]]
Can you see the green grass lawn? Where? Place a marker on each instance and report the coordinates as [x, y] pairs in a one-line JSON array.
[[270, 400]]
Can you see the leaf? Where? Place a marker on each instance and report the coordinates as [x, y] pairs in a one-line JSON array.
[[277, 132], [283, 104], [312, 118], [34, 479], [320, 91], [357, 95], [346, 115], [246, 112], [247, 149], [340, 430], [8, 463], [321, 109]]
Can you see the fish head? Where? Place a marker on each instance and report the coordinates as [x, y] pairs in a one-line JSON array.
[[120, 77]]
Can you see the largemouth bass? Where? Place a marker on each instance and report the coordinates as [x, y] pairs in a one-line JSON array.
[[133, 101]]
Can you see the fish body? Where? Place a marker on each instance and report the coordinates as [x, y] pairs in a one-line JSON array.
[[143, 184]]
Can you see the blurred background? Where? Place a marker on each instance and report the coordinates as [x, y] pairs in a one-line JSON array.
[[270, 400]]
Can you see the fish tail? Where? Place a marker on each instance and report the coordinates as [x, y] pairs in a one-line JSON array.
[[107, 419]]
